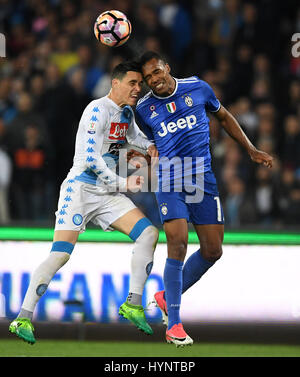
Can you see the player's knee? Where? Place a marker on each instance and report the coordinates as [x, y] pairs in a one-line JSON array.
[[212, 252], [144, 233], [61, 257], [61, 252], [149, 236], [177, 248], [153, 235]]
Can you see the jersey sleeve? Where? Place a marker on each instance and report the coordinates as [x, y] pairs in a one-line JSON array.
[[145, 128], [136, 137], [212, 104], [93, 122]]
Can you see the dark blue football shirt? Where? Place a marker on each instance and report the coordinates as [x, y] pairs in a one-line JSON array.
[[179, 126]]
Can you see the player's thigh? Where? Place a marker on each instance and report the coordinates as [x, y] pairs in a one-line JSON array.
[[70, 236], [126, 222], [210, 238], [177, 237], [172, 206], [207, 211], [74, 207]]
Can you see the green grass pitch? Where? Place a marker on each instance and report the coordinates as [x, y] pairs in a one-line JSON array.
[[64, 348]]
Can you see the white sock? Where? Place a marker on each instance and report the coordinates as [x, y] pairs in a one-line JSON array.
[[141, 263], [40, 280]]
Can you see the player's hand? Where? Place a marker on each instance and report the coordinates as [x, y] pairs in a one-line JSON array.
[[135, 182], [261, 157], [152, 151], [137, 159]]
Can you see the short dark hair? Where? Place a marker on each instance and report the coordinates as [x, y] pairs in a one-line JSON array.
[[121, 69], [149, 55]]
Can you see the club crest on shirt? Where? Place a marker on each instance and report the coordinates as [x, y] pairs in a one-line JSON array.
[[77, 219], [188, 101], [164, 208], [171, 107]]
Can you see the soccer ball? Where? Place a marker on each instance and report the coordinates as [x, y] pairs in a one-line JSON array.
[[112, 28]]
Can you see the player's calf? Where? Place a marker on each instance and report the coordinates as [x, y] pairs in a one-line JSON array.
[[42, 276], [145, 236]]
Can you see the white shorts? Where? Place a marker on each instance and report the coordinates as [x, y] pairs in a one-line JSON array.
[[81, 202]]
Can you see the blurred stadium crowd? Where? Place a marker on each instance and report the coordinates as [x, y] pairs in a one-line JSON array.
[[54, 67]]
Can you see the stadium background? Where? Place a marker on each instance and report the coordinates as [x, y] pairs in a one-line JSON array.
[[54, 66]]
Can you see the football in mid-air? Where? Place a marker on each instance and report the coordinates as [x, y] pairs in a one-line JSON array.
[[112, 28]]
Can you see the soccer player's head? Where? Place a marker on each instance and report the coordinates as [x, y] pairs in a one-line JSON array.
[[156, 73], [126, 83]]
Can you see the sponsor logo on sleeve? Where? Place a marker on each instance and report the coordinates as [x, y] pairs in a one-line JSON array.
[[92, 128]]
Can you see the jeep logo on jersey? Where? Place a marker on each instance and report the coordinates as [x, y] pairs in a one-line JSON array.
[[118, 131], [172, 127]]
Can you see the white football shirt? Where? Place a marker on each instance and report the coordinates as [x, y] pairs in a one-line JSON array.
[[103, 129]]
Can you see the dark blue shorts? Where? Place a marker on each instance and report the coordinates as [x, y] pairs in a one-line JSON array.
[[173, 205]]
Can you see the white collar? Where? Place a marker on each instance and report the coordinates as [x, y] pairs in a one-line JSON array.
[[174, 91], [114, 104]]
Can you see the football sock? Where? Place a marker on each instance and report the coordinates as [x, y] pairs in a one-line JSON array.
[[134, 299], [25, 314], [193, 269], [141, 263], [39, 281], [173, 287]]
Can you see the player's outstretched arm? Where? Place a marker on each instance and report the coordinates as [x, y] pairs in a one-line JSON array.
[[232, 127]]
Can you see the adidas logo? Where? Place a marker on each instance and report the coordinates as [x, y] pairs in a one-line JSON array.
[[153, 115]]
